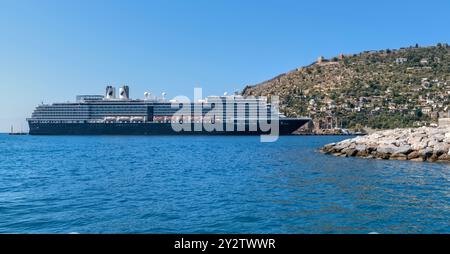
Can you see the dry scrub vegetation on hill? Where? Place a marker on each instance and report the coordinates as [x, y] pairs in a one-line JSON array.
[[377, 89]]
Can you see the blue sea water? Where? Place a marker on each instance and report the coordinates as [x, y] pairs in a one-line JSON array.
[[113, 184]]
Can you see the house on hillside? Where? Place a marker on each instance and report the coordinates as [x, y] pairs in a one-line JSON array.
[[427, 110], [401, 60]]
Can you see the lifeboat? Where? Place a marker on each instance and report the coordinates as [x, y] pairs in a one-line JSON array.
[[137, 119], [110, 119], [123, 118]]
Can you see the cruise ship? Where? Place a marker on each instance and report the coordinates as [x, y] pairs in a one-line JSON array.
[[109, 114]]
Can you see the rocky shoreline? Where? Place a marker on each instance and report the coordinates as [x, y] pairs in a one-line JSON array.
[[415, 144]]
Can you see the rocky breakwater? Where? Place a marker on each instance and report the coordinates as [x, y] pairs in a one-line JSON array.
[[420, 144]]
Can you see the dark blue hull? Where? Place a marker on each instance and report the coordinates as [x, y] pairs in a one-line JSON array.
[[286, 127]]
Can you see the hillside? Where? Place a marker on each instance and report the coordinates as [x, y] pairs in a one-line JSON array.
[[377, 89]]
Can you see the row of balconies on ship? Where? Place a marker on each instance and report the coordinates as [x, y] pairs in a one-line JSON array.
[[168, 119], [133, 119], [156, 119]]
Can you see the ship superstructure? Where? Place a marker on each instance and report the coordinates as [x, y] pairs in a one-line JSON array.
[[121, 115]]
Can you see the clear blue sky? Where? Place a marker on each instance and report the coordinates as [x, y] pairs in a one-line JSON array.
[[52, 50]]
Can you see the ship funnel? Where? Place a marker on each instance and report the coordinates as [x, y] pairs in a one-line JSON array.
[[110, 92], [147, 95], [124, 93]]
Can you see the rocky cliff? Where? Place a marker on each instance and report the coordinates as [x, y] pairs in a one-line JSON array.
[[379, 89]]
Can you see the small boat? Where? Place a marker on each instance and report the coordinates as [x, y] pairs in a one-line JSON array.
[[16, 133]]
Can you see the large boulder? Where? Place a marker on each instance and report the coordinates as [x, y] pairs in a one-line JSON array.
[[403, 149], [361, 148], [351, 152], [414, 140], [341, 145], [439, 137], [441, 148], [420, 145], [328, 148], [399, 156], [426, 152], [444, 157], [413, 155], [387, 149]]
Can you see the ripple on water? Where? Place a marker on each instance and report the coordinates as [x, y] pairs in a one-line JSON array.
[[212, 185]]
